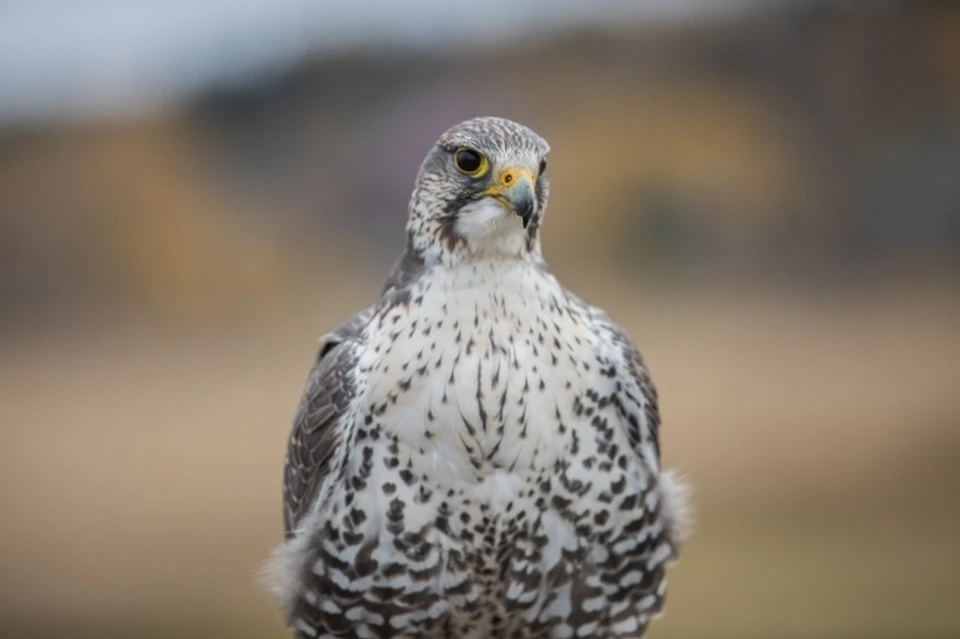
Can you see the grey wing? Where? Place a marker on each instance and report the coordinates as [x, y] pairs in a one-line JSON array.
[[637, 399], [639, 405], [316, 432], [665, 518], [317, 429]]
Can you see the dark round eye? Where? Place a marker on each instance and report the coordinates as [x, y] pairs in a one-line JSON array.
[[469, 161], [543, 166]]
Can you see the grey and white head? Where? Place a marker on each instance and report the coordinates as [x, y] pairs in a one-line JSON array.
[[481, 190]]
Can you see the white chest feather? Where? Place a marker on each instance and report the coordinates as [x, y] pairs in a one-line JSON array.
[[473, 375]]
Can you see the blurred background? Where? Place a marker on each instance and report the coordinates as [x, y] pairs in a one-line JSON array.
[[766, 194]]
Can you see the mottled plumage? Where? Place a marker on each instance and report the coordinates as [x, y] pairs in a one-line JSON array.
[[476, 454]]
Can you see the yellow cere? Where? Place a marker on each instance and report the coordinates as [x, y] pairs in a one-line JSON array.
[[509, 177]]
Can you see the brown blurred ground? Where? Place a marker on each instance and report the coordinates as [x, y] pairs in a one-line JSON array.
[[772, 208], [141, 468]]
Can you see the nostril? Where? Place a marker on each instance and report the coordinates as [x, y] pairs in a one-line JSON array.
[[508, 178]]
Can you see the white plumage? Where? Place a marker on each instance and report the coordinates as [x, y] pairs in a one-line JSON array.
[[477, 454]]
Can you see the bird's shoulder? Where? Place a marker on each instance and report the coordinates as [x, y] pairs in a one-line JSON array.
[[609, 335], [316, 432], [637, 386], [331, 392], [638, 403]]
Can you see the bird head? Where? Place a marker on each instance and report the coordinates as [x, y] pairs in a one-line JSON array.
[[482, 189]]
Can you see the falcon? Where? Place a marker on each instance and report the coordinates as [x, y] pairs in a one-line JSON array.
[[476, 454]]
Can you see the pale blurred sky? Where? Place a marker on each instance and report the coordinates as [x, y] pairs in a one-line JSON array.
[[79, 59]]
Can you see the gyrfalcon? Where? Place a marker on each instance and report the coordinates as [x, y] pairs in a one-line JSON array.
[[476, 454]]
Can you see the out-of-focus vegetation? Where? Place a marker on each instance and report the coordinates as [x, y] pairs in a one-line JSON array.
[[771, 205]]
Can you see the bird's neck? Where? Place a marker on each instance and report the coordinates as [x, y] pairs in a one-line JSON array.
[[451, 244], [494, 286]]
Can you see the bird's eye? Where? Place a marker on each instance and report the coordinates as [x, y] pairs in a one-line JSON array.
[[543, 166], [470, 162]]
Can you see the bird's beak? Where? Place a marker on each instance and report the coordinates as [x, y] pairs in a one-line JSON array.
[[515, 190]]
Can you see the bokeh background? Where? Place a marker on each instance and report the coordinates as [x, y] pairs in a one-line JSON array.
[[767, 194]]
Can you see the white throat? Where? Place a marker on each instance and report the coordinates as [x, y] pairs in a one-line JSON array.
[[490, 229]]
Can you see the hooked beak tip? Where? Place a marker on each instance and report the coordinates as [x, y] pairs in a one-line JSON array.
[[525, 210]]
